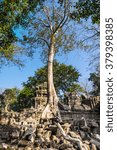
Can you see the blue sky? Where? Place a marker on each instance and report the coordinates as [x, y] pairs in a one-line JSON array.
[[12, 76]]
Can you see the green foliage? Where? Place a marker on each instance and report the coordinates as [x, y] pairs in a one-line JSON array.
[[1, 101], [65, 80], [12, 14], [87, 8], [95, 78], [30, 15], [9, 97], [52, 20], [25, 99], [87, 12], [75, 88], [64, 77]]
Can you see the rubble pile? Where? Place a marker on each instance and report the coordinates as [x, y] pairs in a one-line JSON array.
[[51, 135], [26, 131]]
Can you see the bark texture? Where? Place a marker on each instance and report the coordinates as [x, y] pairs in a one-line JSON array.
[[51, 110]]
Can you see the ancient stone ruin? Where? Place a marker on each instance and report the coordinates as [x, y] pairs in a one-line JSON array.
[[78, 131], [76, 102], [41, 96]]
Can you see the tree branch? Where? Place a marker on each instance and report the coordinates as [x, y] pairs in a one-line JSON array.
[[64, 19], [42, 21], [44, 41], [48, 17], [89, 37]]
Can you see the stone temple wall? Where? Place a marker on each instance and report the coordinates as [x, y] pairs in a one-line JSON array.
[[71, 116], [31, 116]]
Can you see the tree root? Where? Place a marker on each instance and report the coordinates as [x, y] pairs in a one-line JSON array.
[[77, 141], [69, 138], [47, 114]]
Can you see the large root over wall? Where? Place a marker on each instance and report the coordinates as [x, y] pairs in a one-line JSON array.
[[78, 141]]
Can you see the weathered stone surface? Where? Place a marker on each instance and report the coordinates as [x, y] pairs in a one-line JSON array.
[[65, 146], [94, 147], [86, 146], [55, 139], [5, 135], [26, 131], [23, 143], [82, 134], [14, 141], [94, 124], [74, 135], [32, 138], [15, 134], [80, 103], [47, 136], [37, 148], [96, 136], [4, 146], [66, 127]]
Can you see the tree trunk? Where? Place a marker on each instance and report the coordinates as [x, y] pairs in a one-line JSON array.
[[51, 110], [6, 108]]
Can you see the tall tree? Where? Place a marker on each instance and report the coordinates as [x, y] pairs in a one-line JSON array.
[[51, 29]]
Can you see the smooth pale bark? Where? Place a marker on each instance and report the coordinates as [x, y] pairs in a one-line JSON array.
[[6, 107], [51, 110]]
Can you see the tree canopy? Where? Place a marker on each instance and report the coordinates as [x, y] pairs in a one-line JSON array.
[[52, 20], [65, 76], [65, 80], [8, 97], [85, 9], [13, 14], [50, 30], [17, 15], [25, 99], [87, 12]]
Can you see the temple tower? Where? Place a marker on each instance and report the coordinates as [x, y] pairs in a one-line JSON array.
[[41, 96]]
